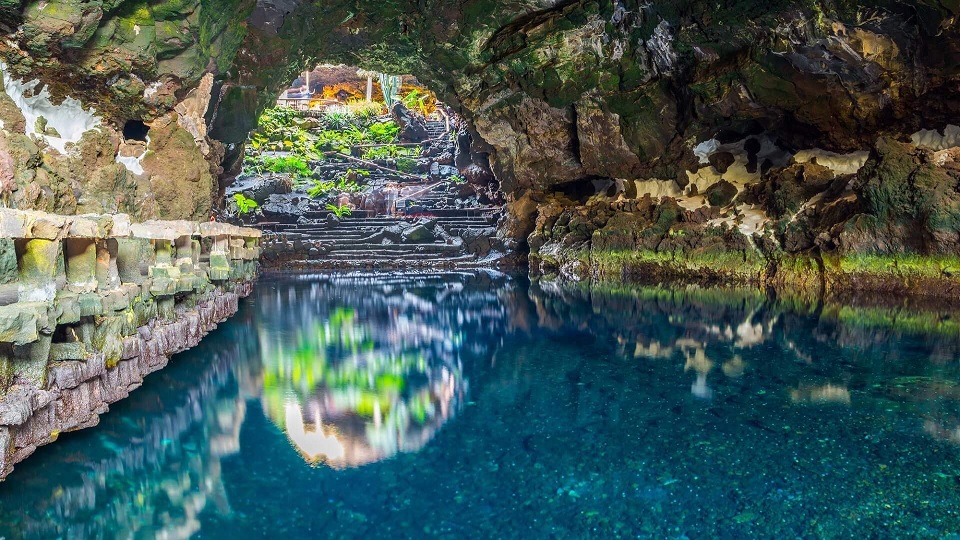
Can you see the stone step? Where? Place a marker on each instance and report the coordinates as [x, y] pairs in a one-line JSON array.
[[355, 236], [383, 262], [344, 233], [393, 248], [345, 225], [326, 237], [371, 223], [482, 211], [390, 256], [360, 228]]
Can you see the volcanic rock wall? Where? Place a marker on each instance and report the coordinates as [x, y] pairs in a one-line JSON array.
[[658, 97], [887, 221], [92, 304]]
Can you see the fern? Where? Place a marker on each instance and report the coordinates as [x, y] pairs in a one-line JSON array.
[[340, 210]]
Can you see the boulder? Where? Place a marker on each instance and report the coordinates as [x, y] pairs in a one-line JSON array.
[[721, 193], [285, 205], [418, 234], [721, 161], [412, 126], [259, 188]]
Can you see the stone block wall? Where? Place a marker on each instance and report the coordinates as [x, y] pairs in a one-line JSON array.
[[91, 304]]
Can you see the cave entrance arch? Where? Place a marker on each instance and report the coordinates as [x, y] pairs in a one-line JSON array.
[[337, 177]]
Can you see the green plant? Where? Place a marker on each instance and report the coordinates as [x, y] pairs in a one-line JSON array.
[[320, 188], [280, 129], [356, 173], [383, 132], [365, 111], [348, 186], [390, 84], [293, 164], [417, 101], [339, 210], [457, 179], [245, 205], [389, 151], [346, 182], [334, 140], [406, 165], [336, 120]]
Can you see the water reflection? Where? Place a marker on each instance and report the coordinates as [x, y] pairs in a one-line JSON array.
[[377, 406], [153, 465], [831, 353], [359, 368]]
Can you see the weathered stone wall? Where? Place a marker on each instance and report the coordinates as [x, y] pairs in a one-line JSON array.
[[89, 305]]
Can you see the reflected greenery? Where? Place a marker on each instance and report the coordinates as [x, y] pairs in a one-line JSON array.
[[475, 405], [350, 387]]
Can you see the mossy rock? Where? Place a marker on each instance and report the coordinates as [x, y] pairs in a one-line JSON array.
[[721, 194]]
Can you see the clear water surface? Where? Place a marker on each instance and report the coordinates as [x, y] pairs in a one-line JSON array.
[[476, 406]]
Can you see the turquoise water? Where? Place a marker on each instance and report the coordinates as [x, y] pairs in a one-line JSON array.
[[476, 406]]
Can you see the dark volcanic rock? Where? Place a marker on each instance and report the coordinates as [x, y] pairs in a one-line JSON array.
[[721, 161], [721, 193], [553, 92], [259, 188], [553, 95], [412, 126], [287, 205]]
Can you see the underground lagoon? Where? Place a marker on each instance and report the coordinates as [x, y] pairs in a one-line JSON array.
[[475, 405]]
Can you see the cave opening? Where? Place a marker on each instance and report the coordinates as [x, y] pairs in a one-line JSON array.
[[135, 130], [354, 167]]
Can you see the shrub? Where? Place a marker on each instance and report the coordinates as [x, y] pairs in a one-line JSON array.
[[293, 164], [406, 165], [320, 188], [419, 102], [383, 132], [365, 111], [389, 151], [336, 120]]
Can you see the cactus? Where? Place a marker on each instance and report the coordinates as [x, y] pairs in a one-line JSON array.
[[390, 85]]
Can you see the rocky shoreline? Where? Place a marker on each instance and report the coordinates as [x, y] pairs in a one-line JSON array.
[[886, 222]]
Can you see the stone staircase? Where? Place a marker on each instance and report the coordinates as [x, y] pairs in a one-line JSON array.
[[453, 228], [452, 238]]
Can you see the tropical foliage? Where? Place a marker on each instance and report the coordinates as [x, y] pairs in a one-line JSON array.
[[245, 205], [286, 143], [419, 101], [343, 184], [340, 210]]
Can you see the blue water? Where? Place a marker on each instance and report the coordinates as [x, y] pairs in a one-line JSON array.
[[477, 406]]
